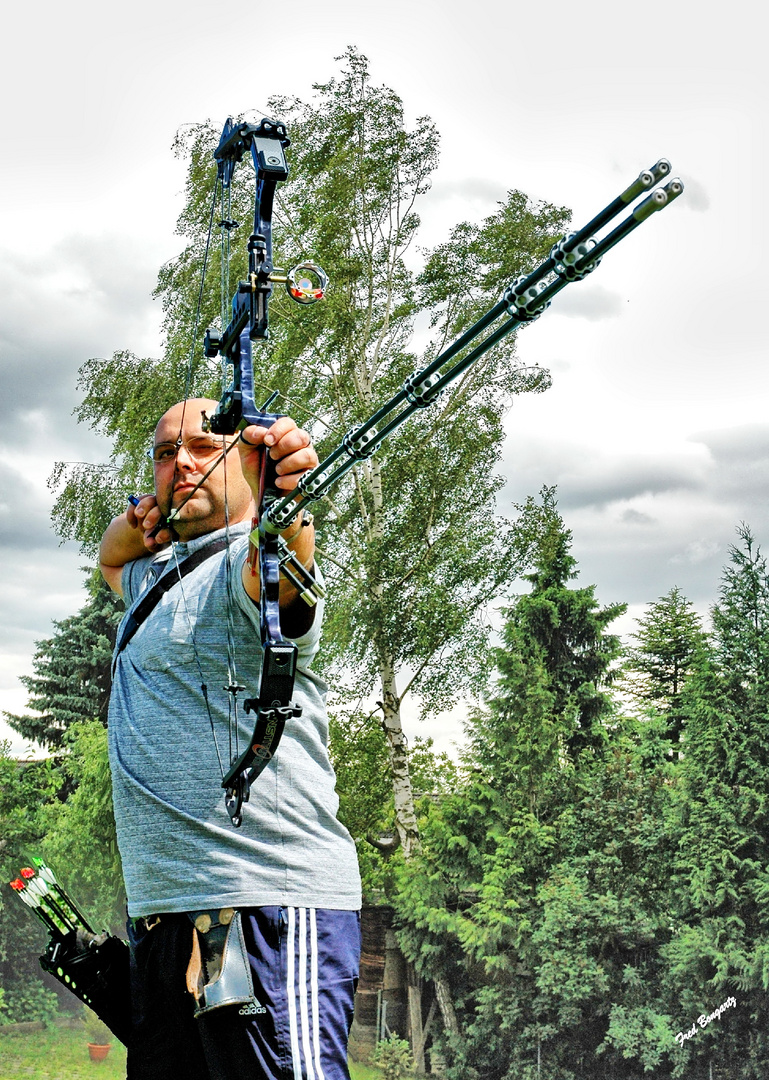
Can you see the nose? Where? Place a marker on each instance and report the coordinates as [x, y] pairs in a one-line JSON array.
[[184, 459]]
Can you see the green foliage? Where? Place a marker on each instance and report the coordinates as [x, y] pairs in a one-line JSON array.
[[741, 624], [668, 641], [71, 682], [28, 1001], [81, 844], [639, 1034], [27, 789], [366, 807], [393, 1056], [720, 942], [541, 891], [549, 706], [60, 808]]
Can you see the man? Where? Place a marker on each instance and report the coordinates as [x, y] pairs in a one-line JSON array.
[[265, 917]]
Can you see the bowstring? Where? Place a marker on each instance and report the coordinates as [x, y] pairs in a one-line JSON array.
[[223, 191], [199, 305]]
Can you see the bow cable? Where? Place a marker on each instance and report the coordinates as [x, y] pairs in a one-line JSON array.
[[222, 191]]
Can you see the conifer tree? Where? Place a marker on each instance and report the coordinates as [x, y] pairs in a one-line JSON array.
[[472, 901], [667, 642], [71, 680], [741, 624], [721, 943], [550, 703]]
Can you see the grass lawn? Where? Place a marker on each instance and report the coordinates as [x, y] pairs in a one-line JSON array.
[[56, 1053], [62, 1054]]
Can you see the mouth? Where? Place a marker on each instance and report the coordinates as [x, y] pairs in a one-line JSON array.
[[181, 492]]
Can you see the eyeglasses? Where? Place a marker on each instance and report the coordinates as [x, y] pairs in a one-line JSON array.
[[200, 447]]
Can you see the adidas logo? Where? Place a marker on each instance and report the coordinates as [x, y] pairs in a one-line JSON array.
[[252, 1009]]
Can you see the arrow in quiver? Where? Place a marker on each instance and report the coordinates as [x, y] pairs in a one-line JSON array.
[[94, 967]]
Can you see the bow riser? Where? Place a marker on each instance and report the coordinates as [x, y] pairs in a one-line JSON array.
[[250, 304]]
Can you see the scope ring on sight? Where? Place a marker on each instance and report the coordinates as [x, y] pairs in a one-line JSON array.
[[306, 283]]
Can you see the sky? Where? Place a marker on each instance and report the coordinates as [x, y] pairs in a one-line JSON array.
[[654, 430]]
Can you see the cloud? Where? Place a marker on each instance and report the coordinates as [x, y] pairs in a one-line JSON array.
[[697, 198], [471, 190], [591, 477], [38, 586], [740, 458], [697, 551], [643, 522], [635, 517], [88, 297], [588, 301], [24, 513]]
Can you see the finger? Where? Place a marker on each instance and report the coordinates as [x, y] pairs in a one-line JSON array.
[[288, 481], [157, 531], [276, 432], [295, 441], [297, 462], [155, 541], [152, 518], [138, 505], [256, 435], [250, 437], [285, 433]]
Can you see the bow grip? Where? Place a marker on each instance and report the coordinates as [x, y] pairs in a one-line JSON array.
[[269, 466]]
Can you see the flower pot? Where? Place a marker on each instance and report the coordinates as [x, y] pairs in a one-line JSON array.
[[98, 1051]]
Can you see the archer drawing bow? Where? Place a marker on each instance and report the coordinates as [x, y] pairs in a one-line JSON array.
[[524, 300], [95, 968], [305, 284]]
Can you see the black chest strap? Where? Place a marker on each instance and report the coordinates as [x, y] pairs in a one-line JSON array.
[[155, 594]]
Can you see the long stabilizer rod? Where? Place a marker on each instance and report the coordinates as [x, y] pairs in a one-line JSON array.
[[524, 300]]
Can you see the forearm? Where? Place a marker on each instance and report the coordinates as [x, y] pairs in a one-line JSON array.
[[121, 543], [301, 541]]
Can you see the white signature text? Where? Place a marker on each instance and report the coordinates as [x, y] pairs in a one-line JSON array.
[[704, 1020]]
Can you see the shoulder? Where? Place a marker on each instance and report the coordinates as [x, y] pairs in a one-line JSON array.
[[136, 575]]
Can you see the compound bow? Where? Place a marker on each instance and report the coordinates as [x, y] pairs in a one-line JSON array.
[[306, 284], [524, 300]]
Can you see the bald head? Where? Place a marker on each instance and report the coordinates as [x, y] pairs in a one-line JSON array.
[[184, 414]]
